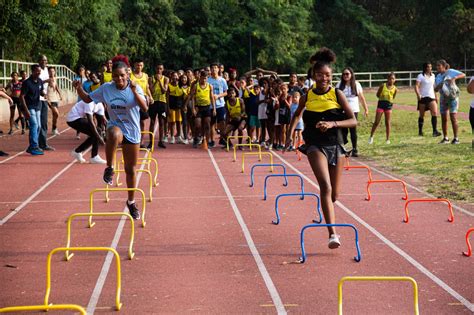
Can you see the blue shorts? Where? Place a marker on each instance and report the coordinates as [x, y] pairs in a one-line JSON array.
[[450, 105], [254, 121], [220, 115]]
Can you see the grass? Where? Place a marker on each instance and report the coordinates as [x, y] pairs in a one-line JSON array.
[[445, 171], [407, 96]]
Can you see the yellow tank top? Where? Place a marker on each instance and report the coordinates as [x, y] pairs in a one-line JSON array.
[[321, 103], [158, 95], [203, 97], [186, 90], [175, 90], [95, 86], [387, 94], [143, 81], [107, 76], [234, 110]]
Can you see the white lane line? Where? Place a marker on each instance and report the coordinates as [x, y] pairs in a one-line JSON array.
[[253, 249], [20, 153], [36, 193], [465, 211], [397, 249]]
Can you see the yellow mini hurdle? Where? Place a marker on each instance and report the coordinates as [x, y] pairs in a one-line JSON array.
[[118, 304], [152, 135], [91, 201], [147, 160], [150, 183], [260, 154], [57, 307], [131, 254], [250, 145], [409, 279], [238, 137]]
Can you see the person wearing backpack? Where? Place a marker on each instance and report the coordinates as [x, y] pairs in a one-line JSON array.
[[445, 84]]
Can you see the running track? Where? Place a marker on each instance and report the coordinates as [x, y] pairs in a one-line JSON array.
[[209, 245]]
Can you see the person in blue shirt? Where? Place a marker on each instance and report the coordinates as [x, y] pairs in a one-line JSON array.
[[219, 87], [445, 84], [123, 99]]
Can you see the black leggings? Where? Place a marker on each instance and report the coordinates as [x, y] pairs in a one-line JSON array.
[[82, 125], [353, 132], [471, 118]]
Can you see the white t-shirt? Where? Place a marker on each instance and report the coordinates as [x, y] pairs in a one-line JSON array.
[[262, 107], [426, 85], [352, 99], [308, 83], [472, 101], [81, 108], [44, 76]]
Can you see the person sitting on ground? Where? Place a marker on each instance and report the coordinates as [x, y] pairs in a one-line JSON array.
[[123, 99], [81, 119]]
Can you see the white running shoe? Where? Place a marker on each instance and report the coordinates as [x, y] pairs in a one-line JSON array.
[[387, 142], [371, 140], [97, 160], [78, 156], [165, 139], [55, 132], [185, 141], [78, 137], [334, 241], [180, 140], [172, 140]]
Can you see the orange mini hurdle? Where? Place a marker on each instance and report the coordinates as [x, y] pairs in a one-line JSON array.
[[369, 172], [407, 216], [469, 249], [386, 181]]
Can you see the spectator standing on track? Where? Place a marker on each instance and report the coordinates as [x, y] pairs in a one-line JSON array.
[[124, 99], [141, 78], [54, 96], [445, 84], [81, 118], [424, 89], [43, 135], [11, 103], [354, 93], [31, 90], [15, 90], [159, 108], [284, 116], [326, 110], [386, 94], [220, 87], [175, 97], [297, 135]]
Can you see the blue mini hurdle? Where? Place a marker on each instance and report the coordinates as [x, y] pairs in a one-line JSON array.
[[318, 207], [285, 176], [303, 253], [266, 165]]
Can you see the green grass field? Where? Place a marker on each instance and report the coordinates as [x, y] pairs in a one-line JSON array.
[[443, 170], [407, 96]]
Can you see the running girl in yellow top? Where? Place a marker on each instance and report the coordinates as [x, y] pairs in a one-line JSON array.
[[386, 94], [175, 96], [326, 110], [204, 107], [235, 114]]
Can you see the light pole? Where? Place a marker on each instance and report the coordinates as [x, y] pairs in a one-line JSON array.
[[250, 50]]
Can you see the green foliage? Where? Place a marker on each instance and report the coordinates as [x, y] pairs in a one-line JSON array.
[[365, 34]]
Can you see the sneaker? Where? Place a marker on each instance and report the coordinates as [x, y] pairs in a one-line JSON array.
[[262, 144], [420, 134], [185, 141], [436, 133], [97, 160], [355, 153], [334, 241], [55, 132], [444, 141], [23, 131], [16, 126], [78, 156], [211, 144], [222, 142], [371, 140], [387, 142], [270, 146], [78, 137], [142, 146], [165, 139], [10, 132], [48, 148], [3, 153], [172, 140], [35, 151], [133, 210], [180, 140], [161, 145], [149, 146], [455, 141], [109, 175]]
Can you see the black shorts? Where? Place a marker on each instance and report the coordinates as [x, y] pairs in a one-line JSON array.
[[54, 104], [126, 141], [331, 152], [157, 108], [425, 101], [203, 111], [220, 115], [385, 105], [144, 115], [235, 123]]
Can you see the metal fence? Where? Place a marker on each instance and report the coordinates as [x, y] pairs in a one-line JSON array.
[[374, 79], [64, 75]]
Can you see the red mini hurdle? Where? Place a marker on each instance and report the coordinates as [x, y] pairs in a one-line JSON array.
[[451, 215], [386, 181], [369, 172], [469, 249]]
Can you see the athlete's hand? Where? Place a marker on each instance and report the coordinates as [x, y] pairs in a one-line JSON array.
[[214, 112], [133, 85], [101, 141], [76, 84], [27, 114], [366, 113], [288, 143], [325, 125]]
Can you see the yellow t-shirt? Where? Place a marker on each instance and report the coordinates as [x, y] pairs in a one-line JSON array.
[[203, 97], [321, 103], [387, 94]]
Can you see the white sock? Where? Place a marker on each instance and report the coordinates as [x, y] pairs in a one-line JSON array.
[[130, 202]]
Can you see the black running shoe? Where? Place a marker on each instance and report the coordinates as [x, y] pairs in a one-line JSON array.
[[161, 145], [355, 153], [134, 212], [222, 142], [109, 175], [211, 144], [149, 146], [436, 133], [455, 141], [3, 153]]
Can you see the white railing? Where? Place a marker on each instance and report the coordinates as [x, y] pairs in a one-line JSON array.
[[374, 79], [65, 75]]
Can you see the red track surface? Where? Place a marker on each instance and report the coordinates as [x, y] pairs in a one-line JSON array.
[[193, 255]]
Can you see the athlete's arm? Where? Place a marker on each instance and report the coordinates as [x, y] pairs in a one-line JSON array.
[[363, 101], [90, 120], [80, 91], [242, 108], [417, 90], [395, 94], [294, 121], [138, 98], [379, 91], [470, 87]]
